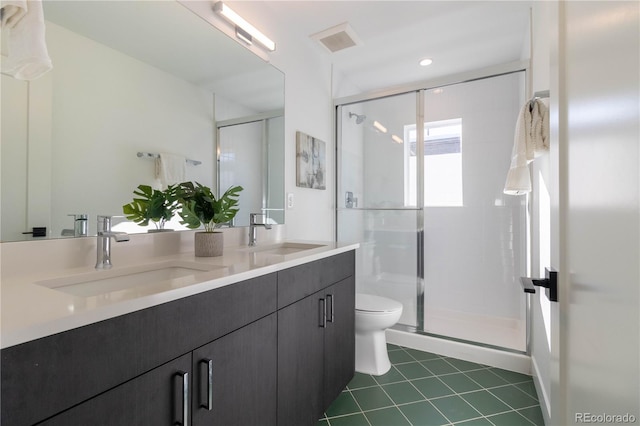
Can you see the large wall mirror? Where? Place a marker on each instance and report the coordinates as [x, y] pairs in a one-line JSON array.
[[129, 77]]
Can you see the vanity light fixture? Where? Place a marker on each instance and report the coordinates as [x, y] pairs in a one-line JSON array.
[[396, 139], [244, 30], [426, 62], [379, 127]]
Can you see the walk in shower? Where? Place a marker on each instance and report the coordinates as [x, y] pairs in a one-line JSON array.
[[419, 185]]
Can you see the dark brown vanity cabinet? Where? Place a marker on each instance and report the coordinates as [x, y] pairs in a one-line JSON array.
[[101, 362], [316, 338], [230, 381], [154, 398], [228, 356], [235, 377]]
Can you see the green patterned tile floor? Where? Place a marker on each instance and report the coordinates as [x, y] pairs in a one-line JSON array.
[[427, 389]]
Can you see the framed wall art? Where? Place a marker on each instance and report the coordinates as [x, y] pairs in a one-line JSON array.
[[310, 162]]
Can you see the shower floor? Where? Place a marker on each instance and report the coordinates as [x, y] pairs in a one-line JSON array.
[[501, 332]]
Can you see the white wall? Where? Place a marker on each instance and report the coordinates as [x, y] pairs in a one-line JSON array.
[[308, 108], [106, 107], [15, 112]]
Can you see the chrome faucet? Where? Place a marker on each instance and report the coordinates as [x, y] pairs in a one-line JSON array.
[[104, 242], [253, 227], [79, 226]]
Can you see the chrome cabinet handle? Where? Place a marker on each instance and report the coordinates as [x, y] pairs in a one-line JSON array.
[[323, 313], [330, 301], [182, 399], [206, 399]]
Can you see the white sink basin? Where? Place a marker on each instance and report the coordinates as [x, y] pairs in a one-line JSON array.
[[284, 248], [116, 279]]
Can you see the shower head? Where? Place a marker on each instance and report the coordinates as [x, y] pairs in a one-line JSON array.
[[359, 118]]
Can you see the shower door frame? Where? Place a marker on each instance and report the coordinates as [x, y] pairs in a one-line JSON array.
[[419, 89]]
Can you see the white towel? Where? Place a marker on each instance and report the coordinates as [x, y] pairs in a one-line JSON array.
[[12, 12], [531, 139], [171, 169], [27, 57]]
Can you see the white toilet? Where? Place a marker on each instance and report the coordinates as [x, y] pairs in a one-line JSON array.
[[374, 314]]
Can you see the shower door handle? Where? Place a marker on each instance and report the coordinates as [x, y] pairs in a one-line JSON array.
[[420, 253]]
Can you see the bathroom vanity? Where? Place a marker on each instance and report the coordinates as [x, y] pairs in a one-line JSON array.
[[265, 339]]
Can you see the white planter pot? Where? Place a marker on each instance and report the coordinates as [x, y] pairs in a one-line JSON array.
[[209, 244]]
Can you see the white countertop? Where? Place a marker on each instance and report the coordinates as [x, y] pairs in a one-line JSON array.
[[31, 310]]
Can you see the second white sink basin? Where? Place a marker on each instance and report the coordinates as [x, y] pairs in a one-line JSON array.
[[284, 248], [101, 282]]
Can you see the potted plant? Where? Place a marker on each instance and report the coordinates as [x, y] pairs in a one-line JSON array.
[[201, 207], [152, 205]]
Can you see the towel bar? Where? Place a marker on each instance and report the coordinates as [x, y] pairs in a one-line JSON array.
[[151, 155]]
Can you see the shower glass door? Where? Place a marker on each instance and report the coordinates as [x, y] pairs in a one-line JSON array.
[[474, 245], [436, 231], [372, 199]]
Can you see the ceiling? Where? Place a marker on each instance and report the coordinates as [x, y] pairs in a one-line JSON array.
[[458, 35]]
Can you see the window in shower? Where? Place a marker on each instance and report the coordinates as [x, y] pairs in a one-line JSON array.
[[442, 163]]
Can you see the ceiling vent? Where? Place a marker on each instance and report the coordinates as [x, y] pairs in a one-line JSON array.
[[337, 38]]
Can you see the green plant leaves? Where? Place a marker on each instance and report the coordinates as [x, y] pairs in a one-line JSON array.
[[152, 205], [200, 206], [195, 203]]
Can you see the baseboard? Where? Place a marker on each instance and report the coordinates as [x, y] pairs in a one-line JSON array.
[[545, 406], [481, 355]]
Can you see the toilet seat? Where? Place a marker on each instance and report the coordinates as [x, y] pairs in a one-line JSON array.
[[370, 304]]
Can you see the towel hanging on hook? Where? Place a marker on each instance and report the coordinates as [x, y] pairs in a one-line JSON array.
[[538, 95], [26, 57], [531, 138]]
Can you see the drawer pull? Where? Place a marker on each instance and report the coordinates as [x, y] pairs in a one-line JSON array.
[[323, 313], [330, 302], [182, 399], [206, 395]]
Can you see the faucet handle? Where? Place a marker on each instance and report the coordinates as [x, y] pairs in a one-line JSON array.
[[252, 217], [104, 223], [252, 220], [79, 216]]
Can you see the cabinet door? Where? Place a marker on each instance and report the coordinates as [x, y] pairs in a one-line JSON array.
[[339, 339], [235, 377], [156, 398], [300, 362]]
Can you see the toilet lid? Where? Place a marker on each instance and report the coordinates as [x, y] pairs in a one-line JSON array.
[[371, 303]]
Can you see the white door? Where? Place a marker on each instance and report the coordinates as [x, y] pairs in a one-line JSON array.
[[595, 213]]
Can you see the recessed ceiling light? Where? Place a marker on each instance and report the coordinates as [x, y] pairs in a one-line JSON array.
[[426, 61]]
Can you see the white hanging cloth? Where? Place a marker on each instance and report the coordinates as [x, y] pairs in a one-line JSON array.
[[531, 139]]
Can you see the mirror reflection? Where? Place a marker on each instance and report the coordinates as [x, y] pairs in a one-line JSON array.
[[248, 152], [129, 77]]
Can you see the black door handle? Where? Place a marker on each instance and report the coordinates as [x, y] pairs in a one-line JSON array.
[[549, 282]]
